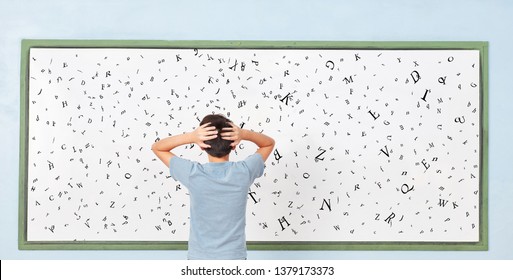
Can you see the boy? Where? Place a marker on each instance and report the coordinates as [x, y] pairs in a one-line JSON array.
[[218, 189]]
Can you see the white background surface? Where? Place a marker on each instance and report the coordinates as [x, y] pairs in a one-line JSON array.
[[362, 154]]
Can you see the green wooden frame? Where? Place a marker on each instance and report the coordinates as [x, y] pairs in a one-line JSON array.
[[482, 47]]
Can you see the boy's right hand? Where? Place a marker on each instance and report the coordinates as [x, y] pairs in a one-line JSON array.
[[233, 133]]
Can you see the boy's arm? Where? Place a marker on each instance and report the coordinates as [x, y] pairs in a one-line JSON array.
[[236, 134], [162, 148]]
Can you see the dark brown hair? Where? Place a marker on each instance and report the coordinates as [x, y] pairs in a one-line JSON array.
[[219, 147]]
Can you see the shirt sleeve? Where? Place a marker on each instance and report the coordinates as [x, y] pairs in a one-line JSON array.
[[180, 169], [255, 164]]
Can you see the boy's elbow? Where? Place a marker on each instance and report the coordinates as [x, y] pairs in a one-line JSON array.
[[272, 142], [154, 147]]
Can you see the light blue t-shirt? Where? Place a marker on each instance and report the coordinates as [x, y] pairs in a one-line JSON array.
[[218, 197]]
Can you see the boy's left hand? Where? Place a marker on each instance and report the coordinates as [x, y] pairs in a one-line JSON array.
[[204, 133]]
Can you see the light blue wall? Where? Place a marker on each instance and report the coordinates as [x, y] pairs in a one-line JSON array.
[[329, 20]]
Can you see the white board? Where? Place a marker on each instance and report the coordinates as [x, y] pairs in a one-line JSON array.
[[372, 145]]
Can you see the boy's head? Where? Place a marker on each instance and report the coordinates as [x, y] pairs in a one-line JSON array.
[[218, 146]]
